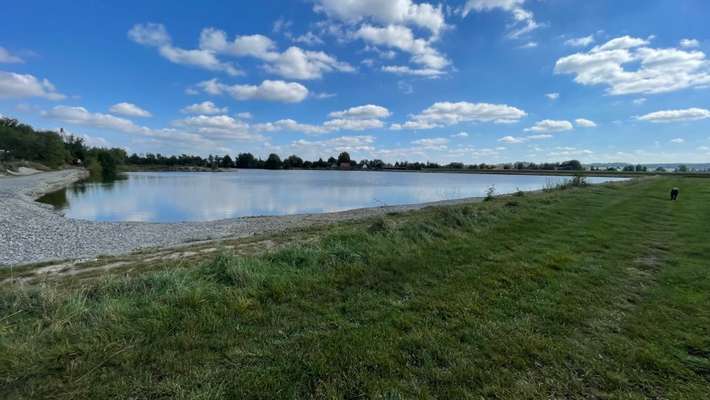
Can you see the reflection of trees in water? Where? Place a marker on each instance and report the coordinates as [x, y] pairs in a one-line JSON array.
[[57, 199]]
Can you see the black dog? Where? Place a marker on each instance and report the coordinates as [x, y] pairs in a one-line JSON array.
[[674, 193]]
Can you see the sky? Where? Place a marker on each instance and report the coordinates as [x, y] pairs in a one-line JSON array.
[[456, 80]]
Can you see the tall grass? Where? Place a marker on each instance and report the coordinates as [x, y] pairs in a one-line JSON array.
[[473, 301]]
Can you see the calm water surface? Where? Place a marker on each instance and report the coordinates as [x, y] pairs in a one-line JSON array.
[[174, 196]]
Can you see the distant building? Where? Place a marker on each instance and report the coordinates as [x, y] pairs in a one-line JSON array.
[[346, 165]]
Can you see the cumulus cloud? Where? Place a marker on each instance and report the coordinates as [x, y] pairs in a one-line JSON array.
[[549, 125], [19, 86], [7, 58], [585, 123], [689, 43], [291, 125], [446, 113], [202, 131], [580, 42], [523, 139], [405, 70], [656, 71], [358, 118], [155, 35], [205, 108], [129, 110], [279, 91], [689, 114], [369, 111], [678, 141], [294, 63], [523, 20], [400, 12], [552, 96], [218, 127], [402, 38], [82, 116], [460, 135], [352, 124], [431, 142]]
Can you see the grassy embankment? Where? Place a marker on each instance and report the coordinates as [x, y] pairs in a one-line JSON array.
[[583, 293]]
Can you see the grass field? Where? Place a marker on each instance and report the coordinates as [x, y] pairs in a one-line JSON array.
[[595, 292]]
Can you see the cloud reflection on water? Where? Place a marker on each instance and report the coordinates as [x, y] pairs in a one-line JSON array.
[[174, 197]]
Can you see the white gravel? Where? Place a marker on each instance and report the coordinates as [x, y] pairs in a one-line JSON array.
[[31, 232]]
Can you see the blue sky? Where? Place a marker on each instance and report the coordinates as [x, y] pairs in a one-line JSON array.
[[458, 80]]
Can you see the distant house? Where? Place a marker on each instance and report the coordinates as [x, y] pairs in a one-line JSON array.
[[346, 165]]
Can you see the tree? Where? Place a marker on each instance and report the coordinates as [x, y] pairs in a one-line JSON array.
[[246, 160], [682, 168], [344, 157], [273, 162], [571, 165], [293, 161], [226, 162]]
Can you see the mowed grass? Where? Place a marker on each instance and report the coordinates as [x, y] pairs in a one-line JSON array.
[[597, 292]]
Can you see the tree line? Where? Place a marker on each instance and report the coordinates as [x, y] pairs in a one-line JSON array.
[[21, 142]]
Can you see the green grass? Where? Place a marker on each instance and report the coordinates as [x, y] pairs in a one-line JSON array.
[[594, 292]]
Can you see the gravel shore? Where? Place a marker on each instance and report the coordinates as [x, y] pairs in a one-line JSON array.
[[31, 232]]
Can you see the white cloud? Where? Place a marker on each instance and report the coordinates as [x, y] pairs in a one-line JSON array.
[[279, 91], [460, 135], [294, 63], [325, 148], [218, 127], [198, 58], [405, 70], [524, 20], [529, 45], [549, 125], [19, 86], [585, 123], [689, 43], [244, 115], [150, 34], [81, 116], [639, 101], [402, 38], [205, 108], [512, 139], [353, 124], [403, 12], [257, 46], [580, 42], [447, 113], [553, 96], [155, 35], [657, 71], [431, 142], [291, 125], [353, 119], [203, 132], [309, 39], [129, 110], [369, 111], [689, 114], [622, 43], [678, 141], [523, 139], [7, 58], [569, 152]]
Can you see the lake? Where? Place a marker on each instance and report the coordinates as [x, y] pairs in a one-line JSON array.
[[178, 196]]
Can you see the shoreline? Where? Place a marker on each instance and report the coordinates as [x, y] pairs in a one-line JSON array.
[[32, 232]]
